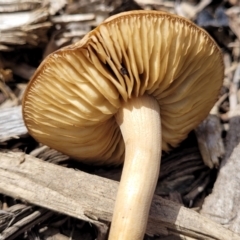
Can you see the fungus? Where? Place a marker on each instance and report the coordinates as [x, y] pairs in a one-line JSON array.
[[132, 87]]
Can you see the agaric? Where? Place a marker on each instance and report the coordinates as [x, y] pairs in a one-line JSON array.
[[135, 85]]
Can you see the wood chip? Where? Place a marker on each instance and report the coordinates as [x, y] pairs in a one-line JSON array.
[[73, 18], [222, 205], [234, 19], [18, 5], [11, 123], [209, 136]]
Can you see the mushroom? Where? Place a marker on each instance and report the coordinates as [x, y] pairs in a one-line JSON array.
[[132, 87]]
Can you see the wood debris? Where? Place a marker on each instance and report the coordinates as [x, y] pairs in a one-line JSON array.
[[11, 123], [92, 198], [29, 31]]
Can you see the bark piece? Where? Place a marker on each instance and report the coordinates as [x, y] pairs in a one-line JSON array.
[[210, 142], [222, 205], [233, 14]]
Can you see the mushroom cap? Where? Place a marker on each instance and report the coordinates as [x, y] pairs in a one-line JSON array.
[[73, 96]]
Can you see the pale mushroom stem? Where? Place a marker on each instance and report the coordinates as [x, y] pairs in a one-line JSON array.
[[140, 124]]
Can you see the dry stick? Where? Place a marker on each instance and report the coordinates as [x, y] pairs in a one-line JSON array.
[[91, 198], [12, 214], [233, 136], [25, 224], [190, 11]]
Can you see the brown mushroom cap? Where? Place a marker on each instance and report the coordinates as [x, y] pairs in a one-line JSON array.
[[71, 100]]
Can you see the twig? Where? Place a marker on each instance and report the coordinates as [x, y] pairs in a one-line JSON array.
[[25, 224]]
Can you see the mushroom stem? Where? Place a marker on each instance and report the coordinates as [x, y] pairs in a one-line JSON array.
[[140, 124]]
